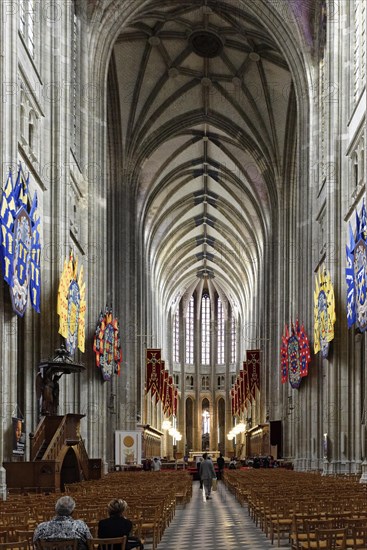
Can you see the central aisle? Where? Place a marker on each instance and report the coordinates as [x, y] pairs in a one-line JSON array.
[[218, 524]]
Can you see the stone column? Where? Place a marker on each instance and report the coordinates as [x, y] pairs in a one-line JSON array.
[[8, 144], [362, 431]]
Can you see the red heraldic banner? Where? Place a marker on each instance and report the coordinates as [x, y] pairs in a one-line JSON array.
[[154, 367], [168, 402], [175, 402], [236, 399], [164, 382], [245, 382], [253, 370]]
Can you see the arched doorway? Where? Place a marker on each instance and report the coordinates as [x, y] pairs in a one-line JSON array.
[[70, 471]]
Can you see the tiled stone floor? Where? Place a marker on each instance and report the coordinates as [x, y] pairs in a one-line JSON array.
[[217, 524]]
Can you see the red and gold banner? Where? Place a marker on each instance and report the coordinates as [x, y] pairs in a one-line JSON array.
[[239, 394], [154, 367], [247, 381], [236, 399], [160, 382], [175, 401], [253, 369], [169, 395], [163, 382], [243, 385]]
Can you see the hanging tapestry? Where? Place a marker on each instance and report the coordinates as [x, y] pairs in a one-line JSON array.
[[295, 355], [245, 385], [324, 312], [356, 273], [169, 396], [239, 393], [161, 395], [154, 367], [107, 346], [253, 370], [71, 306], [175, 402], [20, 248]]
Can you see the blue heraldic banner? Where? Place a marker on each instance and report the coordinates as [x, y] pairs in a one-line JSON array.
[[356, 273], [20, 247]]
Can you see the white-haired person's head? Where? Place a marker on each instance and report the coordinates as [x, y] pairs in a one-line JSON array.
[[65, 506]]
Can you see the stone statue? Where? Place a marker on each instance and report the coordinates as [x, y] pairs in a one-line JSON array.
[[47, 385]]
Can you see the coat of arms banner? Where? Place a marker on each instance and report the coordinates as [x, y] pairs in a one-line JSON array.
[[356, 273], [20, 247], [295, 355], [107, 345], [324, 312], [71, 305]]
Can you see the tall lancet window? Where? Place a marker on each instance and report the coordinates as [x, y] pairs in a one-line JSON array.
[[205, 330], [30, 36], [176, 337], [22, 18], [189, 354], [220, 333], [26, 23], [233, 340], [75, 89]]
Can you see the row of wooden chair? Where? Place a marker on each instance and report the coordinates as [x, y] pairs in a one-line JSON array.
[[298, 506], [304, 531], [72, 544], [151, 501]]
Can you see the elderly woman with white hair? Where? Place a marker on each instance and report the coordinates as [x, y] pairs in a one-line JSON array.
[[63, 526]]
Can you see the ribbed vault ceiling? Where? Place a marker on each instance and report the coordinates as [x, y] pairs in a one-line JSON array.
[[204, 96]]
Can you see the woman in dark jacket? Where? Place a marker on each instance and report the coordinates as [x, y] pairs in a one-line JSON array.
[[117, 525]]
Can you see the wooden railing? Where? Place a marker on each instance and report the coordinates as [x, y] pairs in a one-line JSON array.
[[57, 442], [38, 438]]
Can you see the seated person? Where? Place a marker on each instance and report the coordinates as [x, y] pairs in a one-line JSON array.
[[117, 525], [156, 465], [63, 526]]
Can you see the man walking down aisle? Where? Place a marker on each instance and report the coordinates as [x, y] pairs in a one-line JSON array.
[[207, 473]]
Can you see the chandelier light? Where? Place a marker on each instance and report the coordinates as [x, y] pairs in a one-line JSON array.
[[166, 424], [236, 430]]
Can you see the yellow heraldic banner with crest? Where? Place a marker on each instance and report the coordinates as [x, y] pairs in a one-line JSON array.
[[324, 312], [71, 305]]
